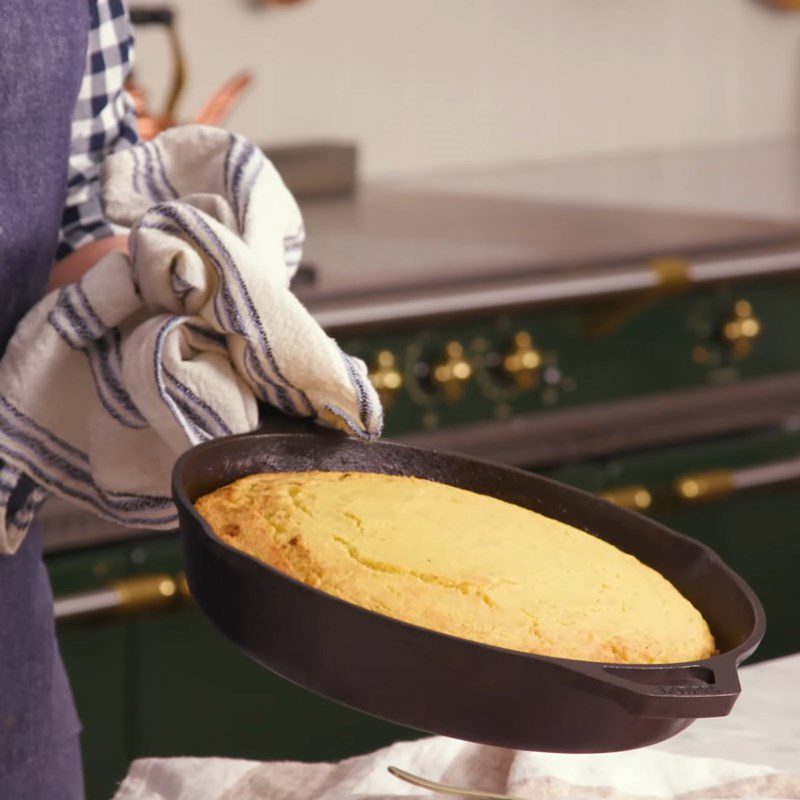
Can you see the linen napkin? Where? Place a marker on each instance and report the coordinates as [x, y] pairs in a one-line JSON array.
[[644, 774], [107, 381]]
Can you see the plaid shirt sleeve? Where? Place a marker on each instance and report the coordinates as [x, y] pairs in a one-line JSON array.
[[104, 121]]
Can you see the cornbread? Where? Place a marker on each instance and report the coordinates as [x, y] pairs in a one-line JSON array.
[[461, 563]]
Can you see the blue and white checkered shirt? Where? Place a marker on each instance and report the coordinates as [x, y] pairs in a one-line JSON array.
[[104, 121]]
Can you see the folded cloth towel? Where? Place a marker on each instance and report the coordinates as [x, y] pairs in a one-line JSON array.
[[106, 381], [637, 775]]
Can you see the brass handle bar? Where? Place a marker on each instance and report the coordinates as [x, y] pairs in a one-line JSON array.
[[715, 484], [123, 597]]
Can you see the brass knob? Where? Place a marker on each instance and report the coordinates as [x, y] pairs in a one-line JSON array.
[[451, 374], [523, 361], [635, 498], [386, 377], [741, 330]]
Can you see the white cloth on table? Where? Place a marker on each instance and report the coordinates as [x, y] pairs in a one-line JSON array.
[[635, 775], [107, 381]]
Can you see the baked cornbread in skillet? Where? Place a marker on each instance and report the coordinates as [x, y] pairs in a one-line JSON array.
[[460, 563]]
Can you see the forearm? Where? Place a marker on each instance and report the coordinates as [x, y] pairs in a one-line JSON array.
[[71, 268]]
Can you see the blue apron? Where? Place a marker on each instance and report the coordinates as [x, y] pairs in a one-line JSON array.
[[42, 52]]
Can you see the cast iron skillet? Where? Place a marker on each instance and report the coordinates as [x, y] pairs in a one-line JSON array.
[[439, 683]]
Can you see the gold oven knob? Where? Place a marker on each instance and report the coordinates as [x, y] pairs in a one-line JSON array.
[[740, 331], [451, 374], [386, 377], [522, 361]]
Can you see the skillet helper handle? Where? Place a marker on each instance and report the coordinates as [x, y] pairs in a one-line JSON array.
[[707, 689]]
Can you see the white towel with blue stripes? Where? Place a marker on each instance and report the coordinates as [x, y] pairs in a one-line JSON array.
[[107, 381]]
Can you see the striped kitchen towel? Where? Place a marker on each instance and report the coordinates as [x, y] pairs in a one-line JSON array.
[[107, 381]]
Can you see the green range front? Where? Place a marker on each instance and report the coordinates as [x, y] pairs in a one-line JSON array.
[[582, 355]]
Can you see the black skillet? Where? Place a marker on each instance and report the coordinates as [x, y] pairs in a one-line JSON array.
[[439, 683]]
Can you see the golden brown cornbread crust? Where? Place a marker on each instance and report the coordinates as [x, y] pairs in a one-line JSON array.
[[461, 563]]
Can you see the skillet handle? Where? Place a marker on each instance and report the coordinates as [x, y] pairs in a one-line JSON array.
[[273, 421], [686, 691]]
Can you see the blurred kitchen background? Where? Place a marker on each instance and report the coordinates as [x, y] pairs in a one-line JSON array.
[[424, 85], [564, 234]]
